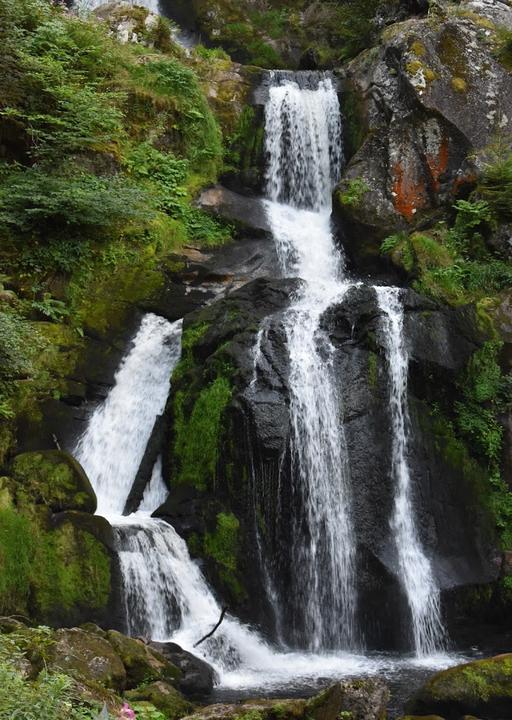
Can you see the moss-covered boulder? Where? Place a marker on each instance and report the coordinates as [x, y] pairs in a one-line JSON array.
[[417, 108], [55, 479], [164, 697], [253, 710], [482, 688], [363, 699], [143, 664], [87, 657]]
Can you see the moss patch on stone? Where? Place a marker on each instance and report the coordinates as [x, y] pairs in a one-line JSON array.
[[53, 478], [198, 432], [222, 546]]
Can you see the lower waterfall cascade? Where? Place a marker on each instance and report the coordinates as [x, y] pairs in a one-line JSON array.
[[166, 596]]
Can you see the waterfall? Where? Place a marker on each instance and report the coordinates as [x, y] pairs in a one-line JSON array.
[[112, 447], [303, 141], [415, 568]]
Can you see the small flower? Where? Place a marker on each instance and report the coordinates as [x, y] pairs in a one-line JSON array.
[[127, 713]]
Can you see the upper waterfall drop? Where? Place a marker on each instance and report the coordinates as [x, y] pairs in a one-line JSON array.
[[113, 445], [415, 568], [303, 143]]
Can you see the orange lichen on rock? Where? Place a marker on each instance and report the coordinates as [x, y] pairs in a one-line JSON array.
[[438, 163], [409, 193]]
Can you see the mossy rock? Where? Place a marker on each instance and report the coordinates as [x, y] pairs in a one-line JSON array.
[[72, 570], [142, 664], [164, 697], [482, 688], [87, 657], [361, 699], [253, 710], [55, 479]]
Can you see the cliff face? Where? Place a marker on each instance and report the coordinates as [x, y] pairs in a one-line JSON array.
[[427, 124]]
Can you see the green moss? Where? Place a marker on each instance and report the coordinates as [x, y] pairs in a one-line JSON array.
[[71, 569], [53, 478], [191, 336], [16, 544], [459, 84], [198, 433], [223, 547], [373, 370]]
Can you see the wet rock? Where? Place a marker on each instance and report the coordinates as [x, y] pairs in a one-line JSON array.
[[143, 663], [87, 657], [431, 95], [56, 479], [255, 709], [364, 699], [482, 688], [164, 697], [228, 204], [197, 676]]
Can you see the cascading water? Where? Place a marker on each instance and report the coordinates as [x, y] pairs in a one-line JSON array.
[[303, 141], [415, 568], [112, 447], [165, 594]]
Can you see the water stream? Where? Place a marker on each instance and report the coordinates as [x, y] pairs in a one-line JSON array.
[[416, 574], [303, 141], [165, 593]]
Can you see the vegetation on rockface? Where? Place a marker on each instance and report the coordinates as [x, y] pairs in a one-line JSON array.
[[223, 545], [457, 263], [482, 688], [102, 148], [33, 685], [281, 34]]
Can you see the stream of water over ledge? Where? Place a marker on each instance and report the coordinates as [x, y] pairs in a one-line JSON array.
[[166, 596]]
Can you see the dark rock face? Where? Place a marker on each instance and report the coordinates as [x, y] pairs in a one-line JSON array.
[[253, 475], [417, 107], [197, 677]]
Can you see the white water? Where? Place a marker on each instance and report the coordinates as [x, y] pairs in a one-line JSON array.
[[415, 568], [112, 448], [88, 5], [303, 141], [165, 594]]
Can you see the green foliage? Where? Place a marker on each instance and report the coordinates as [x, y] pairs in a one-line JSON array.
[[496, 183], [32, 199], [146, 711], [391, 242], [483, 388], [51, 696], [354, 192]]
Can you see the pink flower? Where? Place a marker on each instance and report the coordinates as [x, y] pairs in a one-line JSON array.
[[127, 713]]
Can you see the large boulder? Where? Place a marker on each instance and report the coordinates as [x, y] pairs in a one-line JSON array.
[[417, 106], [482, 688], [362, 699], [164, 697], [87, 657], [197, 676], [143, 664], [55, 479]]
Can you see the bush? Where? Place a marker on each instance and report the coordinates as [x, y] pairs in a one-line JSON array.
[[33, 199]]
